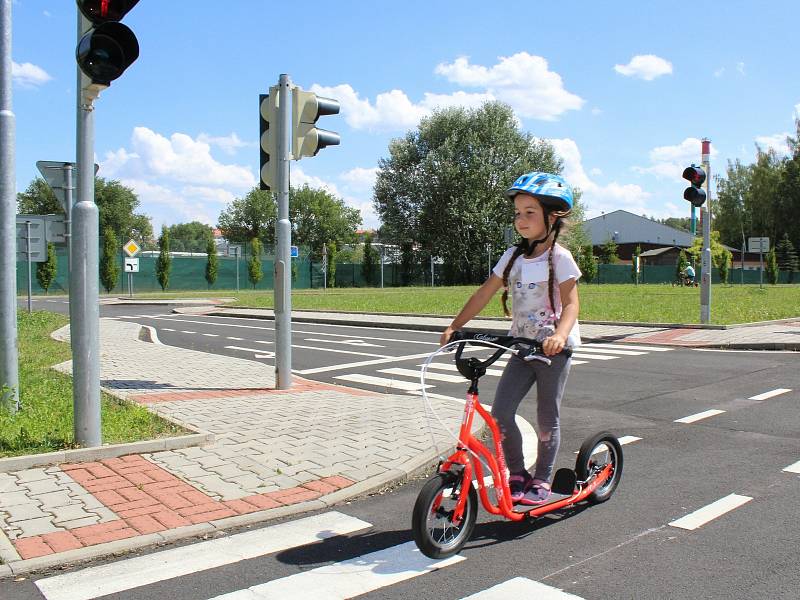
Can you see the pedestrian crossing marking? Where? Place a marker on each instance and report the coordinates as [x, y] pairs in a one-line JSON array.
[[617, 350], [770, 394], [625, 347], [699, 416], [349, 578], [793, 468], [521, 587], [383, 382], [116, 577], [428, 375], [579, 354]]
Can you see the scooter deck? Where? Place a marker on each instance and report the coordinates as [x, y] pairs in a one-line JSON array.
[[554, 497]]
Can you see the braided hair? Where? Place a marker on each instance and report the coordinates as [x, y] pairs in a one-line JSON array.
[[527, 248]]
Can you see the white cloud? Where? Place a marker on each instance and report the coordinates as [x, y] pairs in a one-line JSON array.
[[360, 178], [28, 75], [719, 72], [595, 171], [597, 111], [645, 66], [740, 68], [176, 178], [796, 111], [597, 198], [670, 161], [776, 142], [523, 80], [228, 144]]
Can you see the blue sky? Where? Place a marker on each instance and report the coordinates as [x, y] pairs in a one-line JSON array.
[[623, 90]]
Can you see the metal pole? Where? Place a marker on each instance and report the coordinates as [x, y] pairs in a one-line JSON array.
[[705, 281], [432, 271], [84, 293], [761, 266], [283, 272], [236, 254], [28, 254], [382, 248], [68, 188], [324, 266], [9, 358]]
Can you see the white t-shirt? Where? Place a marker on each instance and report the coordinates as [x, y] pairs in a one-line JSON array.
[[532, 315]]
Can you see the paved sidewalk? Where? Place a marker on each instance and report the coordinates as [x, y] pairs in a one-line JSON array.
[[275, 453], [267, 453]]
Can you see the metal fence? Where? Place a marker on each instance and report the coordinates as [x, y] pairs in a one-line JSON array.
[[188, 273]]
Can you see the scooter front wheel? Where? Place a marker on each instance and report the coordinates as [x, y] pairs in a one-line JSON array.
[[435, 532], [596, 452]]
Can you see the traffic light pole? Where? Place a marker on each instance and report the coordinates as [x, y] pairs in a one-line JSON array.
[[283, 231], [84, 293], [705, 280], [9, 359]]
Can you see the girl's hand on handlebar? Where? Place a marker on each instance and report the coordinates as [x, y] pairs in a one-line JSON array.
[[554, 344], [445, 337]]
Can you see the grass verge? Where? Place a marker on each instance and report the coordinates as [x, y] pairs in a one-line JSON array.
[[44, 422], [651, 303]]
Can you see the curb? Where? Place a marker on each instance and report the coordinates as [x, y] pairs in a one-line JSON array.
[[16, 566], [19, 463]]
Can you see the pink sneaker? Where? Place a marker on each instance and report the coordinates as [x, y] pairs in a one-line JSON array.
[[538, 493], [518, 484]]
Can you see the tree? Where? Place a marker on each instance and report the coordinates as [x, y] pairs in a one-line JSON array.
[[723, 265], [788, 201], [46, 271], [442, 187], [719, 253], [190, 237], [681, 265], [319, 217], [330, 268], [786, 256], [252, 216], [38, 199], [587, 263], [634, 261], [254, 272], [734, 200], [608, 252], [408, 265], [115, 202], [772, 267], [683, 223], [370, 261], [109, 267], [211, 263], [164, 260]]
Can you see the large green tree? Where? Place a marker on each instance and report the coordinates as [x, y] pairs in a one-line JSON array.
[[319, 217], [252, 216], [109, 265], [190, 237], [116, 204], [46, 271], [442, 186], [164, 260]]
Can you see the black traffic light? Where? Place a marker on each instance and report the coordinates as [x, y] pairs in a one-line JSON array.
[[109, 47], [695, 193], [268, 147], [307, 107]]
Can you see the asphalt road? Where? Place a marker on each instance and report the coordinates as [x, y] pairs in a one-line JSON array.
[[680, 458]]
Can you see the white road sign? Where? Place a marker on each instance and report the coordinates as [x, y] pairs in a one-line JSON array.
[[758, 244], [131, 265]]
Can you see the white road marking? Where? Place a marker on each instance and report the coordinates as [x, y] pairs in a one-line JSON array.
[[793, 468], [624, 347], [340, 351], [366, 337], [381, 382], [602, 350], [592, 356], [452, 367], [628, 439], [770, 394], [211, 334], [349, 578], [716, 509], [439, 396], [192, 332], [429, 375], [135, 572], [699, 416], [521, 587], [166, 329], [349, 342], [254, 350], [235, 339], [363, 363]]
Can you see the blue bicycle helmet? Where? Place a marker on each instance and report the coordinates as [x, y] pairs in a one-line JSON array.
[[550, 189]]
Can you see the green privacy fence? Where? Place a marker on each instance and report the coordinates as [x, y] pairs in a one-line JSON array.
[[188, 273]]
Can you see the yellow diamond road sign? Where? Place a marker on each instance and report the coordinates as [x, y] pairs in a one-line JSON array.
[[131, 248]]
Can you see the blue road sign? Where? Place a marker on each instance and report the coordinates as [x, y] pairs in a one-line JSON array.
[[294, 252]]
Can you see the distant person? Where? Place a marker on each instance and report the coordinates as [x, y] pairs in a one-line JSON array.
[[688, 272], [543, 277]]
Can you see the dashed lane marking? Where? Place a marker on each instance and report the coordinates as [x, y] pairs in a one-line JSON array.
[[700, 416], [770, 394], [708, 513]]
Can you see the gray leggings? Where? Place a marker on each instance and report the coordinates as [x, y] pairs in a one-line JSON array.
[[518, 378]]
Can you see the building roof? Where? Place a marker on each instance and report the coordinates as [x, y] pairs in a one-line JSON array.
[[627, 228], [657, 251]]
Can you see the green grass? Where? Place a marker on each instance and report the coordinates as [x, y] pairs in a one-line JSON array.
[[44, 422], [652, 303]]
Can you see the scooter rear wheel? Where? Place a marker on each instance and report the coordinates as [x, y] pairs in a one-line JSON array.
[[435, 533], [595, 453]]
